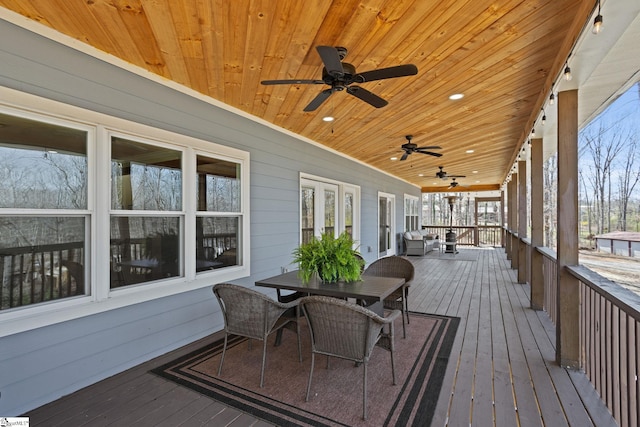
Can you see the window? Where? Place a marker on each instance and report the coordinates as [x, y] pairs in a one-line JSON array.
[[147, 218], [44, 214], [218, 218], [104, 213], [411, 213]]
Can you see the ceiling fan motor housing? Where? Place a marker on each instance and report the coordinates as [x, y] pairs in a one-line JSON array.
[[340, 80]]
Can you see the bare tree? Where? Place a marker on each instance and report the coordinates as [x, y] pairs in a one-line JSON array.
[[602, 145], [627, 180], [550, 195]]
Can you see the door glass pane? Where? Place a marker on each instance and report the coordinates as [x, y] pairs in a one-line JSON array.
[[307, 201], [382, 245], [348, 213], [145, 177], [330, 211]]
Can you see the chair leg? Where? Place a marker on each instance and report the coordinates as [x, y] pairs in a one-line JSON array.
[[406, 303], [364, 392], [278, 337], [313, 359], [391, 350], [298, 333], [264, 358], [224, 349]]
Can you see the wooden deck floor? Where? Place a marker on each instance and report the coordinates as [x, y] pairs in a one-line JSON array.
[[501, 373]]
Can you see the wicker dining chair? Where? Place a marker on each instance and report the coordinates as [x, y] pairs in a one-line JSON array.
[[395, 266], [348, 331], [250, 314]]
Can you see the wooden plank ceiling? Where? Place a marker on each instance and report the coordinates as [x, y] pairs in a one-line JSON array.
[[502, 55]]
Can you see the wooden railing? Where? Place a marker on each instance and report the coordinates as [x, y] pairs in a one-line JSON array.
[[465, 235], [610, 343], [550, 273], [480, 235], [609, 336]]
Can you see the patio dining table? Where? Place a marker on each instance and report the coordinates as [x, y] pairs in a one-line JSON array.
[[371, 290]]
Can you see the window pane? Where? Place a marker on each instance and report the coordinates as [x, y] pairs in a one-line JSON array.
[[42, 166], [144, 249], [307, 213], [329, 211], [348, 213], [41, 259], [217, 242], [145, 177], [218, 185]]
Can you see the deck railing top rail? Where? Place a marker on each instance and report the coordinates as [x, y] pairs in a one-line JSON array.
[[623, 298]]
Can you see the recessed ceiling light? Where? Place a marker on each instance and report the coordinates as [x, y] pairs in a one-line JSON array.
[[474, 172], [394, 158], [328, 119], [420, 174], [469, 151], [456, 96]]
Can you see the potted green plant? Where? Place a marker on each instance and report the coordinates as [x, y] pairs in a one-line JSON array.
[[331, 258]]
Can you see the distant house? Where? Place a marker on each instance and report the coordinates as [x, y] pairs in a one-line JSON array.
[[624, 243]]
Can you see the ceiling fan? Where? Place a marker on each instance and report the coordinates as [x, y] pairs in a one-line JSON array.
[[455, 184], [340, 75], [443, 175], [409, 147]]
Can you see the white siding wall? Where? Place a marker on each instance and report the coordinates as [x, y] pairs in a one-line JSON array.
[[44, 364]]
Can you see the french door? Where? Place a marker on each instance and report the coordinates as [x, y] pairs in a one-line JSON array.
[[386, 224]]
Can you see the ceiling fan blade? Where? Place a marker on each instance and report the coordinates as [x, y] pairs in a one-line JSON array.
[[292, 82], [331, 60], [431, 147], [389, 73], [318, 100], [366, 96], [404, 156], [430, 153]]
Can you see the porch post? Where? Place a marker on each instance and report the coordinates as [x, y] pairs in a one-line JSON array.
[[503, 220], [522, 221], [535, 275], [568, 299], [508, 221], [513, 224]]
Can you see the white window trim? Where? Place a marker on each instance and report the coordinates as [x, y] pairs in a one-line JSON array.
[[98, 153]]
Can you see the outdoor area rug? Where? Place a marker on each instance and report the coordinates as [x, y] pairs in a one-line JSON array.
[[336, 393]]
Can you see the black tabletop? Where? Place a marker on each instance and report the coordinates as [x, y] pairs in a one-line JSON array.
[[370, 288]]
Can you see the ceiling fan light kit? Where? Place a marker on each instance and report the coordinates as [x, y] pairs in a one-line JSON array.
[[341, 75]]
